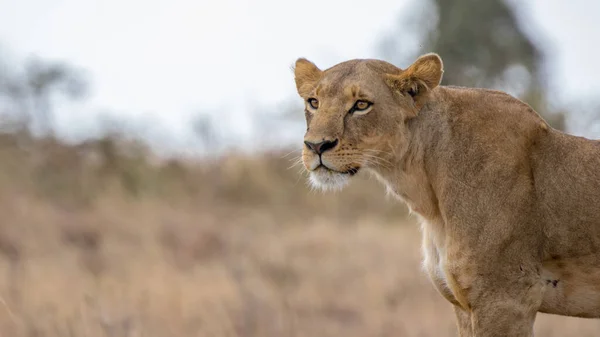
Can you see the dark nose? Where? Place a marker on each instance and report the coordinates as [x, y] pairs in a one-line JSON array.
[[321, 147]]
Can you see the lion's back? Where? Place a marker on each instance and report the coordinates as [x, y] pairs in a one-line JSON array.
[[503, 142], [567, 182]]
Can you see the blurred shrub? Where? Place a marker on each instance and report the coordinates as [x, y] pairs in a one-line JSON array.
[[74, 176]]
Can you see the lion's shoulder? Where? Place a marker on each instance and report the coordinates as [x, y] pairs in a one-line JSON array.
[[481, 108]]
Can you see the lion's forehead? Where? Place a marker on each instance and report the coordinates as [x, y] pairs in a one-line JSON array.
[[352, 79], [342, 89], [364, 65], [336, 86]]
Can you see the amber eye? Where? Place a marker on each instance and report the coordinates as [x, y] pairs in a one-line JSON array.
[[361, 105], [313, 102]]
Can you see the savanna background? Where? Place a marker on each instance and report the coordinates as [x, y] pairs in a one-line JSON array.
[[149, 174]]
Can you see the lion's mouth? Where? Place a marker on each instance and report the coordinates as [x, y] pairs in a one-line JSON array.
[[352, 171]]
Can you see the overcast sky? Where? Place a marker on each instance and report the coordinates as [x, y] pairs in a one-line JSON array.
[[163, 61]]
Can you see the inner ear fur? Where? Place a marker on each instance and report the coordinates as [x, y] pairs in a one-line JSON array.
[[420, 78], [306, 75]]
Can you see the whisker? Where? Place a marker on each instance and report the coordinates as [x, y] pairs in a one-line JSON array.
[[300, 174], [377, 157], [378, 160], [302, 169], [378, 152], [370, 161], [297, 161], [372, 152], [287, 154]]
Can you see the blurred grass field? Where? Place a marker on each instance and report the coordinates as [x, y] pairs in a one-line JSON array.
[[103, 239]]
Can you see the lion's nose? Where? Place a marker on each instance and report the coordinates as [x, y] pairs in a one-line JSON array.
[[321, 147]]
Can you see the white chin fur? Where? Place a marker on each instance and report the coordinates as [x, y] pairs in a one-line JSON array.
[[326, 180]]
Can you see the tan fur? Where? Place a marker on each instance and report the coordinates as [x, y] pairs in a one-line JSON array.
[[510, 207]]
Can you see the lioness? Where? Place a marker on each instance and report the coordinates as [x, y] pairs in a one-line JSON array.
[[510, 207]]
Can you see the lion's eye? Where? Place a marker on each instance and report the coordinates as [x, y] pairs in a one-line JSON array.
[[313, 102], [360, 106]]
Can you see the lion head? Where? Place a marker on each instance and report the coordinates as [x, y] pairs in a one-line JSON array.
[[357, 112]]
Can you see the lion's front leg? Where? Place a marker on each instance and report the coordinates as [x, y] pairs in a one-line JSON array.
[[501, 303], [500, 296], [463, 322], [504, 316]]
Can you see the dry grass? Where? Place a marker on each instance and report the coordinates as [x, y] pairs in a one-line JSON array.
[[97, 243]]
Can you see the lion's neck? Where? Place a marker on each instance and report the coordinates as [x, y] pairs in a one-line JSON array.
[[406, 178], [408, 181]]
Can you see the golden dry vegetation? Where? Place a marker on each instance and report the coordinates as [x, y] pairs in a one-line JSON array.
[[101, 240]]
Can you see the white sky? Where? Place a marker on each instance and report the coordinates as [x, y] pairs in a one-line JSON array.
[[163, 61]]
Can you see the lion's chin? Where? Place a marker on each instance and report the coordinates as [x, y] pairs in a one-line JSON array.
[[328, 180]]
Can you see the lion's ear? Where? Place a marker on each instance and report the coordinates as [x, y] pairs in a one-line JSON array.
[[421, 77], [306, 75]]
